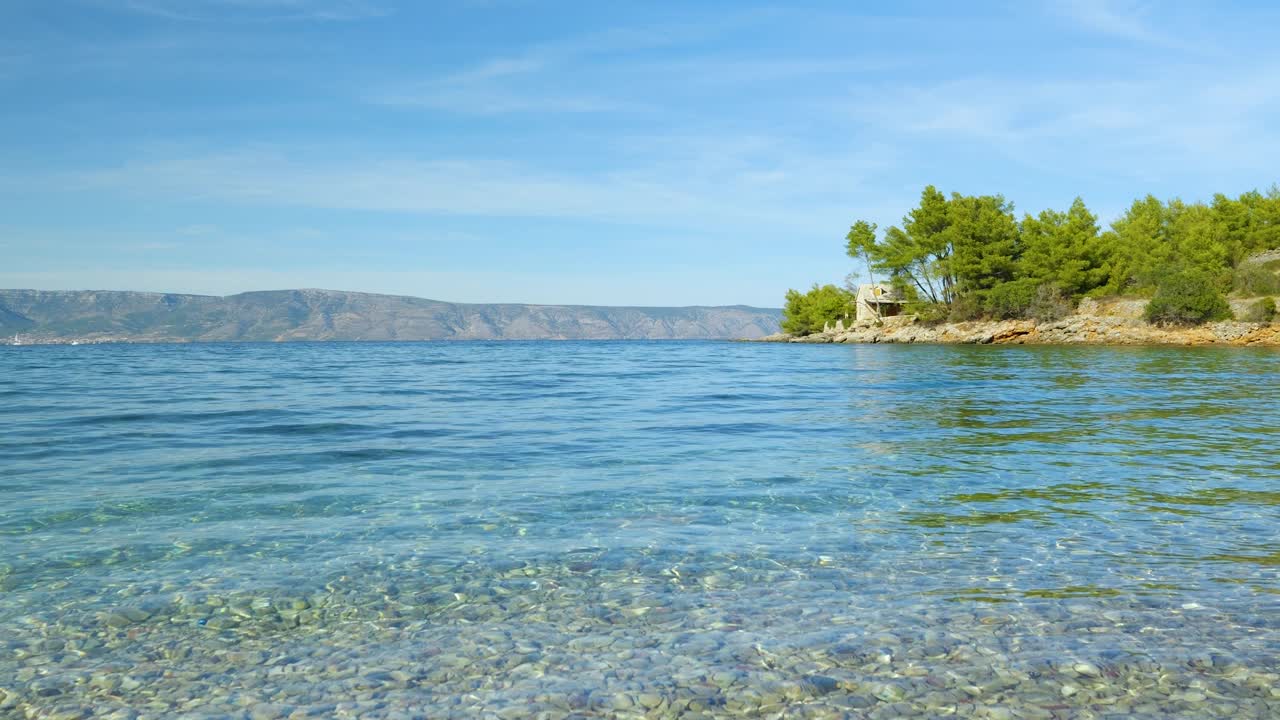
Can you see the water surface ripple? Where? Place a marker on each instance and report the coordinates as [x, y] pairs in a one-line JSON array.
[[603, 529]]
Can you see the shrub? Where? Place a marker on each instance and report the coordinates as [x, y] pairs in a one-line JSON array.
[[1012, 299], [1258, 279], [1028, 298], [965, 307], [1264, 310], [806, 313], [1187, 298], [928, 313], [1050, 304]]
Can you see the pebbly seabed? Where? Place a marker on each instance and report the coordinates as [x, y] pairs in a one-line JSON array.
[[600, 636], [638, 530]]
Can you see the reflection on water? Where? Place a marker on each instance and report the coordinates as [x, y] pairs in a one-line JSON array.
[[638, 529]]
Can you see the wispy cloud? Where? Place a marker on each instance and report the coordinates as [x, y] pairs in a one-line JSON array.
[[534, 79], [1123, 19], [255, 10], [532, 83], [264, 176], [515, 84], [752, 182], [734, 73], [486, 91], [635, 69], [1134, 125]]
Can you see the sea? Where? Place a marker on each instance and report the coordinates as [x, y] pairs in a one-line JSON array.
[[638, 529]]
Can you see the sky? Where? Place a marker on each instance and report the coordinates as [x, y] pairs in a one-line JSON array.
[[612, 153]]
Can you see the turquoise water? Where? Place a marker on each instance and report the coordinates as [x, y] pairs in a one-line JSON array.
[[638, 529]]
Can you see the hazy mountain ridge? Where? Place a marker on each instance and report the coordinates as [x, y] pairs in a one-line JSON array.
[[284, 315]]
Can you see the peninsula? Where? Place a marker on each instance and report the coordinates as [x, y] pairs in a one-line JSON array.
[[965, 269]]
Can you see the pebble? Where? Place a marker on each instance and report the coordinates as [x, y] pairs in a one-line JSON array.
[[1087, 669], [136, 615], [117, 620], [267, 711], [822, 684]]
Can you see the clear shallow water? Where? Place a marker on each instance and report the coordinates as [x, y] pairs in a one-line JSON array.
[[628, 529]]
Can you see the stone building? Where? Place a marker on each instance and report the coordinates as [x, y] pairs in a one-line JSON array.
[[876, 301]]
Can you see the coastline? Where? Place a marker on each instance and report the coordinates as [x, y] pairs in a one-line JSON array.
[[47, 317], [1112, 322]]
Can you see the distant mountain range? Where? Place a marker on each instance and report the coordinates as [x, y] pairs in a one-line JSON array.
[[285, 315]]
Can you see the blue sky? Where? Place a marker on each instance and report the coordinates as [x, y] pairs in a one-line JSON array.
[[644, 153]]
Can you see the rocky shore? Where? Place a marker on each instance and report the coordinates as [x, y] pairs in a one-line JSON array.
[[1113, 322]]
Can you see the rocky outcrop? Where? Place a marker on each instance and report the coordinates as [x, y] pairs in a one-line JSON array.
[[1072, 330], [1114, 322]]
